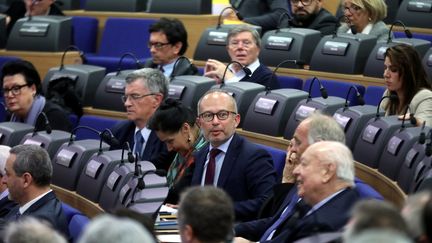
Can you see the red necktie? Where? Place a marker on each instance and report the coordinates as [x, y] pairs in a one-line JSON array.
[[210, 173]]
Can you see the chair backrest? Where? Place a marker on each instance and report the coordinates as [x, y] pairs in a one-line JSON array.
[[85, 30], [278, 156], [123, 35], [95, 122], [76, 226], [69, 211], [336, 88], [373, 94], [401, 34], [290, 82]]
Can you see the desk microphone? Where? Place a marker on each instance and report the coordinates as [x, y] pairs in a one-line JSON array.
[[245, 69], [219, 23], [141, 184], [106, 135], [359, 97], [297, 62], [130, 54], [422, 137], [130, 156], [281, 17], [392, 97], [428, 149], [323, 91], [48, 128], [408, 33], [72, 48], [175, 66]]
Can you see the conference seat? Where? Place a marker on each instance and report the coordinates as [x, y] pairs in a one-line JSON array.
[[85, 30], [77, 225], [290, 82], [373, 95], [415, 13], [336, 88], [120, 36], [401, 34], [278, 156], [95, 122]]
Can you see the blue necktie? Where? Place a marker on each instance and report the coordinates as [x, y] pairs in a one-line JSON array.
[[139, 141], [287, 212]]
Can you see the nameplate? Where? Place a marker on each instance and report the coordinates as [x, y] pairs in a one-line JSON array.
[[217, 38], [93, 168], [33, 142], [420, 6], [279, 43], [65, 158], [115, 85], [380, 55], [124, 192], [113, 180], [394, 145], [335, 48], [31, 28], [410, 157], [176, 91], [343, 121], [265, 106], [58, 75], [371, 133], [303, 112]]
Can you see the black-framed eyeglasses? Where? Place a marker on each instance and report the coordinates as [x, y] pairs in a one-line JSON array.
[[221, 115], [157, 45], [16, 90], [303, 2], [134, 97]]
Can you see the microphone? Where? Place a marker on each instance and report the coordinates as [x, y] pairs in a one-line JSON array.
[[392, 97], [223, 10], [137, 62], [360, 99], [413, 120], [130, 156], [408, 33], [245, 69], [141, 184], [428, 149], [281, 17], [322, 90], [176, 63], [48, 128], [403, 118], [72, 48], [422, 137], [106, 135], [71, 139], [297, 62]]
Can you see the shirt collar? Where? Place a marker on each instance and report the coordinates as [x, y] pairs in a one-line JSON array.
[[26, 206]]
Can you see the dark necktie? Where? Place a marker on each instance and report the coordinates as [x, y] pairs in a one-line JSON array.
[[210, 173], [139, 141]]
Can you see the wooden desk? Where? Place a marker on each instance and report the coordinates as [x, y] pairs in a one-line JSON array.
[[43, 61], [194, 24], [87, 207], [305, 74]]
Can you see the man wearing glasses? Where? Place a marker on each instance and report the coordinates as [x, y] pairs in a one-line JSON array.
[[168, 41], [230, 162], [243, 46], [145, 90]]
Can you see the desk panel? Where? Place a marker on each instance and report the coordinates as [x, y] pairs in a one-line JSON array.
[[43, 61], [194, 24]]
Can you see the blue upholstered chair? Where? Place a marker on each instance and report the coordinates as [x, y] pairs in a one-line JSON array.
[[373, 94], [85, 30], [278, 156], [122, 35], [290, 82], [95, 122], [335, 88]]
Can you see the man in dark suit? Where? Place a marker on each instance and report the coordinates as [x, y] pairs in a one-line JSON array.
[[243, 46], [168, 41], [325, 177], [28, 178], [145, 89], [230, 162]]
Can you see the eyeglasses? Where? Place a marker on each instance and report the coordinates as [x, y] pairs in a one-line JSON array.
[[134, 97], [157, 45], [303, 2], [221, 115], [245, 43], [353, 8], [16, 90]]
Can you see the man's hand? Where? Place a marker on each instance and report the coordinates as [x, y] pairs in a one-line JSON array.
[[241, 240], [215, 69], [291, 161]]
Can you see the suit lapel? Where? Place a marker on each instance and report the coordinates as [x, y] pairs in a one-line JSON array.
[[229, 160], [200, 159], [35, 206]]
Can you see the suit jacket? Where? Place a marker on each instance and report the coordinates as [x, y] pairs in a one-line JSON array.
[[264, 76], [247, 175], [155, 150], [379, 29], [182, 67], [6, 206], [261, 12], [331, 216], [48, 208], [323, 21]]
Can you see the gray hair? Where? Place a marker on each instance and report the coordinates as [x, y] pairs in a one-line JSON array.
[[153, 79], [338, 154], [380, 236], [245, 28], [209, 211], [324, 128], [4, 154], [31, 230], [35, 160], [413, 213], [110, 229], [211, 91]]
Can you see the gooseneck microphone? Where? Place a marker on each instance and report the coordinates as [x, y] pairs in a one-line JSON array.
[[392, 97], [141, 184], [323, 91], [296, 62], [408, 33], [71, 139], [281, 17], [106, 135], [245, 69], [422, 137], [72, 48], [130, 156], [359, 97], [175, 66], [47, 124], [130, 54], [219, 23], [428, 149]]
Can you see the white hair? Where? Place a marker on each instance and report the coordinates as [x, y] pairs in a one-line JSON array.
[[4, 154]]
